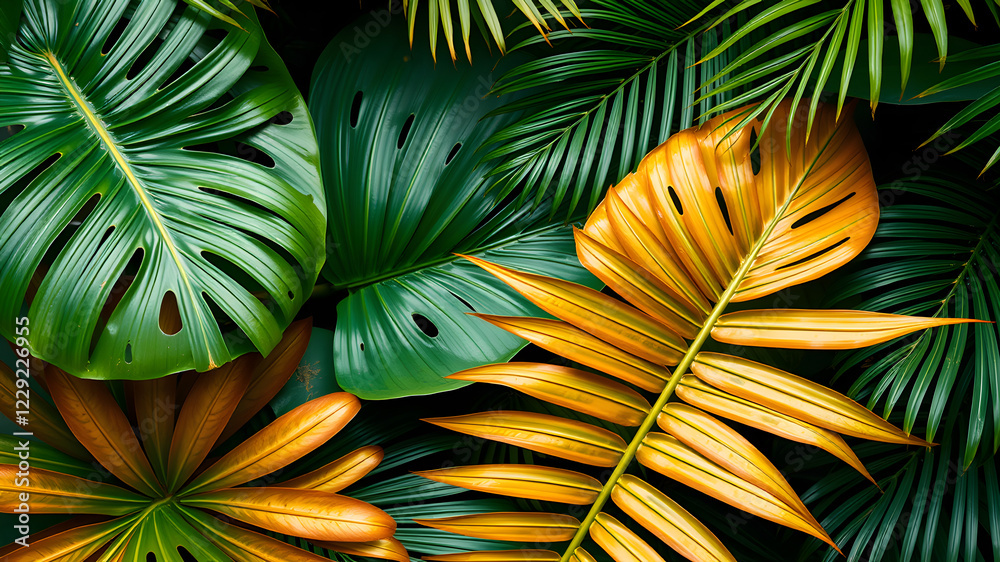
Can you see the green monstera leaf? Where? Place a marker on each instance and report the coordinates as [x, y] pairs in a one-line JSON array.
[[406, 192], [161, 201]]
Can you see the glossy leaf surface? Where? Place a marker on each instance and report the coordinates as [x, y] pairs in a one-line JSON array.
[[283, 441], [569, 439], [312, 514], [522, 481], [406, 191], [151, 170], [520, 527], [712, 216]]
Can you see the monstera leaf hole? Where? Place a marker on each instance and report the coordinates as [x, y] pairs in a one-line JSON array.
[[453, 153], [115, 35], [118, 290], [724, 208], [9, 131], [675, 200], [71, 227], [237, 149], [170, 316], [19, 186], [405, 132], [425, 325], [283, 118], [463, 301], [356, 108], [820, 212]]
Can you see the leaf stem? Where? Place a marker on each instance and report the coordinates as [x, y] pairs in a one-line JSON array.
[[682, 369]]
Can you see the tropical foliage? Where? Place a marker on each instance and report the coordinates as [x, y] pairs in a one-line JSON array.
[[170, 498], [131, 165], [485, 14], [680, 251], [403, 325], [170, 207]]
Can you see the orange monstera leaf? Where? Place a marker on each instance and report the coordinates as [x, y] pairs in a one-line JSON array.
[[713, 216], [162, 489]]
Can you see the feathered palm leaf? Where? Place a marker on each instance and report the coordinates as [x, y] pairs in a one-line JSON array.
[[933, 507], [485, 14], [632, 83], [957, 258], [702, 224]]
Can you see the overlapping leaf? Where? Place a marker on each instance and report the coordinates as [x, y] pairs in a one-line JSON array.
[[169, 511], [485, 15], [707, 220], [959, 267], [633, 82], [405, 191], [933, 507], [803, 48], [127, 188]]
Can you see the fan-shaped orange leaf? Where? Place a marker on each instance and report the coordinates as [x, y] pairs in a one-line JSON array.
[[282, 442], [311, 514], [339, 474], [800, 216], [509, 526], [100, 425], [521, 481], [582, 391], [552, 435]]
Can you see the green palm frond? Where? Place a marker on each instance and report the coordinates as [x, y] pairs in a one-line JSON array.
[[812, 49], [487, 15], [981, 71], [227, 7], [605, 96], [930, 509], [950, 236]]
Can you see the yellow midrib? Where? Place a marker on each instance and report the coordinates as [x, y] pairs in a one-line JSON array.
[[126, 168], [683, 366]]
